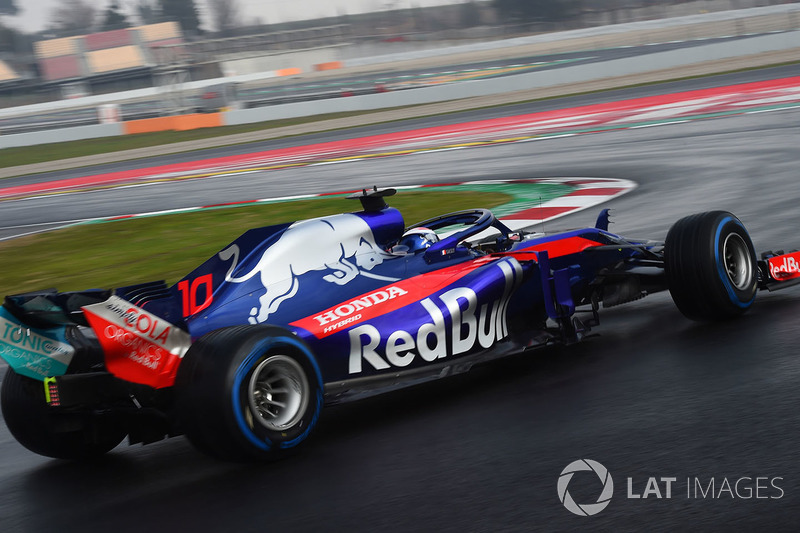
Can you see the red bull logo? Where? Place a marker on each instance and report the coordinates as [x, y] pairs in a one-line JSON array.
[[343, 245], [785, 267], [472, 324]]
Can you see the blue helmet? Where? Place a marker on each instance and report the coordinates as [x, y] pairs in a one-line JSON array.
[[415, 240]]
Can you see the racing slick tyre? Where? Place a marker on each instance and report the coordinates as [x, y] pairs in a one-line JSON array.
[[71, 436], [711, 266], [248, 393]]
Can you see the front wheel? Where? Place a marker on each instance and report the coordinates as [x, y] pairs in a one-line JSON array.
[[74, 436], [711, 266], [248, 393]]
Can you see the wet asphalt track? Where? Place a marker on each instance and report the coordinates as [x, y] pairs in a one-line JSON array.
[[654, 395]]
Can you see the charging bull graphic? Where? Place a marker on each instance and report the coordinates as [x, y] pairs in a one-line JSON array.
[[339, 242]]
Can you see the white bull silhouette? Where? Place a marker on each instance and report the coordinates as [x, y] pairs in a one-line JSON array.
[[318, 244]]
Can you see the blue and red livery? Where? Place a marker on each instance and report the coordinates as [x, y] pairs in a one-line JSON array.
[[242, 354]]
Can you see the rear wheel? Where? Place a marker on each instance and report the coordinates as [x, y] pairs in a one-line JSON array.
[[711, 266], [36, 426], [248, 393]]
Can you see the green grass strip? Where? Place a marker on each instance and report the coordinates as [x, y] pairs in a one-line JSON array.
[[170, 246]]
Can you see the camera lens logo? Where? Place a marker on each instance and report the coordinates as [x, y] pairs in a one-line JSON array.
[[587, 509]]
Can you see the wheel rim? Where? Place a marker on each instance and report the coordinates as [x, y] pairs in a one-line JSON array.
[[738, 263], [278, 392]]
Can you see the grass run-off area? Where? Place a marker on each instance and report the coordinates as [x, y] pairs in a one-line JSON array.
[[119, 253]]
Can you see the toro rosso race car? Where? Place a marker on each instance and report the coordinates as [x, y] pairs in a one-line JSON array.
[[242, 354]]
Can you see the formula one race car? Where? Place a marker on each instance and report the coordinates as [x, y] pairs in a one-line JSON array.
[[241, 354]]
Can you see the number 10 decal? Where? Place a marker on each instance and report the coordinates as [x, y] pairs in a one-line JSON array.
[[189, 294]]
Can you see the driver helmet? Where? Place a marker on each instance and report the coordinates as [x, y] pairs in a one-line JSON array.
[[415, 240]]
